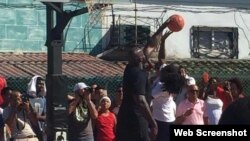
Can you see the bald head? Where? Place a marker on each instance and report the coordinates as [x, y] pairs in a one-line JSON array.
[[136, 55]]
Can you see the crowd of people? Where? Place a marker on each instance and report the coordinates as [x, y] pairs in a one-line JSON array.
[[23, 116], [143, 108]]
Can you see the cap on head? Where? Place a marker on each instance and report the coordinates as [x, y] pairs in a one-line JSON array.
[[106, 98], [80, 85]]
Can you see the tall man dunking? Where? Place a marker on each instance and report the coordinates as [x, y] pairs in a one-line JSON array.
[[135, 118]]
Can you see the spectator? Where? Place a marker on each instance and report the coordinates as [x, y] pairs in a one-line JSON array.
[[213, 103], [37, 92], [105, 122], [100, 91], [237, 113], [204, 85], [21, 119], [236, 88], [192, 110], [6, 93], [163, 105], [233, 90], [3, 84], [81, 113], [118, 100], [93, 87], [94, 96], [185, 82], [213, 88]]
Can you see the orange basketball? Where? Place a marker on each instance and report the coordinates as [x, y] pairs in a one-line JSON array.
[[176, 23]]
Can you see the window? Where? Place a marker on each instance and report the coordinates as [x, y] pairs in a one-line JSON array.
[[143, 34], [214, 42]]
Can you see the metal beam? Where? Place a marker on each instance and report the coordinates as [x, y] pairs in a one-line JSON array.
[[55, 81]]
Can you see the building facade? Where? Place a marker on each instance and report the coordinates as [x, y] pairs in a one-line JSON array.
[[213, 29]]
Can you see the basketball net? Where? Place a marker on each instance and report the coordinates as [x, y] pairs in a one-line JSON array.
[[89, 4], [96, 14], [94, 5]]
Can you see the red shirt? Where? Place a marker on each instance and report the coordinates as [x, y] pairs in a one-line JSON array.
[[225, 98], [105, 125], [3, 84]]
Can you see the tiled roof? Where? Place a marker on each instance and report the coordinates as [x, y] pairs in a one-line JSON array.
[[74, 65], [195, 66]]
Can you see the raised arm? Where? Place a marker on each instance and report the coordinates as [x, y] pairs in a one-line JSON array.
[[154, 40], [9, 114], [161, 54], [157, 40], [91, 105]]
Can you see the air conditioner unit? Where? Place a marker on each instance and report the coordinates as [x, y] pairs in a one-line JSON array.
[[61, 0]]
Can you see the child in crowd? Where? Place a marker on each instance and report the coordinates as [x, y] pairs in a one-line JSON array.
[[105, 122]]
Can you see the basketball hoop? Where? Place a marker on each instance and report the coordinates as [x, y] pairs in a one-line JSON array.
[[93, 5], [89, 4], [96, 4]]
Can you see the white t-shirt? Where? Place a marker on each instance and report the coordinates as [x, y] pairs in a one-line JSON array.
[[214, 110], [164, 107]]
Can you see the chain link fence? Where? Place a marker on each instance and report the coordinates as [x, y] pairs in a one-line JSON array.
[[113, 82], [110, 83], [222, 76]]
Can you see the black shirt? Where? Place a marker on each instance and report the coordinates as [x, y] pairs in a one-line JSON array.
[[131, 124]]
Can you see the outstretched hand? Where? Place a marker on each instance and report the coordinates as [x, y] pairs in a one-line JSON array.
[[162, 27]]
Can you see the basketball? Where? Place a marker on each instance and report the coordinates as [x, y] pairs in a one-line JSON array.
[[176, 23]]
